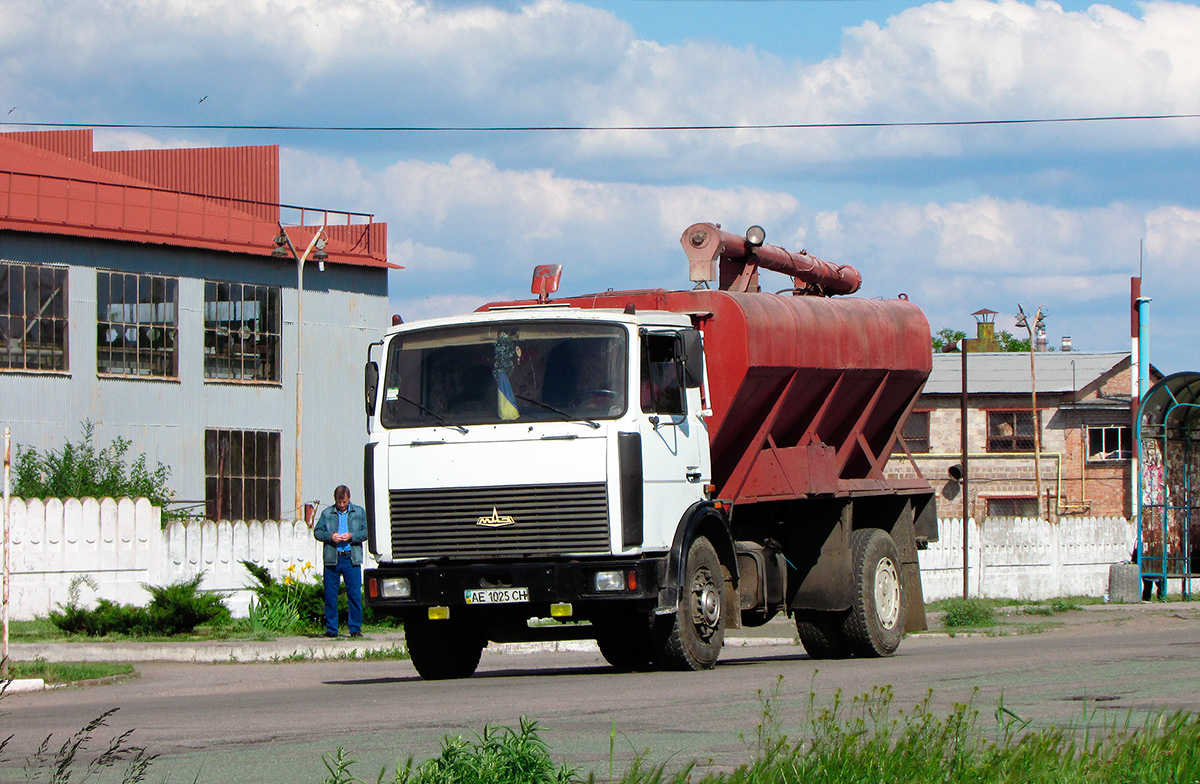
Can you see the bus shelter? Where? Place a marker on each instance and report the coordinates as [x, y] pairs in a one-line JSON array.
[[1168, 442]]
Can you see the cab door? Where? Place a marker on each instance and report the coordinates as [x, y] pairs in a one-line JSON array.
[[674, 439]]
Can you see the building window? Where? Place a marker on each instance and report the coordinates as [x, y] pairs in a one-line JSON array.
[[242, 325], [1012, 507], [137, 325], [1109, 442], [1010, 431], [241, 474], [33, 317], [916, 432]]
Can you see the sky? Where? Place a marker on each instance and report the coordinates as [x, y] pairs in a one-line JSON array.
[[958, 218]]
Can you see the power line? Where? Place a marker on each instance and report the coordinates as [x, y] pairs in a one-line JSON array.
[[586, 128]]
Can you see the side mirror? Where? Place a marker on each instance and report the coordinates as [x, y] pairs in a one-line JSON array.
[[371, 385], [693, 357]]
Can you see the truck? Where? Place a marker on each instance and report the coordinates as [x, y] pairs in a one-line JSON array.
[[651, 468]]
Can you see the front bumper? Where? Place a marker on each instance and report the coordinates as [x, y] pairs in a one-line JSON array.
[[445, 585]]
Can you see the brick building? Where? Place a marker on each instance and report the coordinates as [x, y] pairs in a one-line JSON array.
[[1087, 438]]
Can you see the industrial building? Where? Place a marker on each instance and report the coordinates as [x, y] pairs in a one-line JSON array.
[[152, 293]]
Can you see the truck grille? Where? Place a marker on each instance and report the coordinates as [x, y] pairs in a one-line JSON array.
[[546, 520]]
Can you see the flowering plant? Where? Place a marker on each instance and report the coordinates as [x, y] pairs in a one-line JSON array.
[[291, 606]]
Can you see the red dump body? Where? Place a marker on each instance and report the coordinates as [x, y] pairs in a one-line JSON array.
[[808, 393]]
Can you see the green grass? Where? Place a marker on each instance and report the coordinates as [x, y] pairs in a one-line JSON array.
[[993, 614], [67, 672], [866, 738], [43, 630]]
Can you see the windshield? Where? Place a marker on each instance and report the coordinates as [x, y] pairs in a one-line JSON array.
[[505, 372]]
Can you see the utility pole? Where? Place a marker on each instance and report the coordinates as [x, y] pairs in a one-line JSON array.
[[1039, 323], [284, 248]]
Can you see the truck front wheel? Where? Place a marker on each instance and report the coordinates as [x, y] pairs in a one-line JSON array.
[[442, 650], [691, 639], [876, 620]]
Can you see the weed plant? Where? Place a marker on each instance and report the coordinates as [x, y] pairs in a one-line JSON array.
[[497, 756], [968, 613], [75, 757]]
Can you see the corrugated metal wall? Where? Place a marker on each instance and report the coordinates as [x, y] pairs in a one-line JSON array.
[[345, 308], [245, 178]]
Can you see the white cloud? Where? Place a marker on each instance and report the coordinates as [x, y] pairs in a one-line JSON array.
[[550, 61], [471, 231]]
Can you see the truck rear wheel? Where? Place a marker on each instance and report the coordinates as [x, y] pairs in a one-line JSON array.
[[625, 642], [875, 624], [692, 638], [442, 650], [821, 634]]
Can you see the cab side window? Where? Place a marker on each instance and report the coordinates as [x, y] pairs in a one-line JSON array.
[[662, 375]]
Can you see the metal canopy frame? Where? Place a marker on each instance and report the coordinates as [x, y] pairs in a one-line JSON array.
[[1168, 444]]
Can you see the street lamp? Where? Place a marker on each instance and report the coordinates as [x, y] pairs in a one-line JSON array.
[[283, 249], [1039, 324]]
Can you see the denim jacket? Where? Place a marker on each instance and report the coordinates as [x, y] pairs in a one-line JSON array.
[[327, 526]]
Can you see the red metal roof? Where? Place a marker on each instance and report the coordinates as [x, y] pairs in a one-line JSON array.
[[224, 198]]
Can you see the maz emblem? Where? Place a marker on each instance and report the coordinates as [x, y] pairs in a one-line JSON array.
[[495, 521]]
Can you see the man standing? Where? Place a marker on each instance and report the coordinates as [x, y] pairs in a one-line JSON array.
[[343, 529]]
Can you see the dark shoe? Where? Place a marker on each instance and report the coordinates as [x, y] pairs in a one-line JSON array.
[[331, 634], [356, 635]]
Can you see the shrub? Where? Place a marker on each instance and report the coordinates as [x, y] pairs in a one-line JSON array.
[[79, 471], [180, 607], [275, 601], [968, 613], [295, 604], [174, 609]]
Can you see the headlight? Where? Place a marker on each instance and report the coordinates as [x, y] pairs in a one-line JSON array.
[[609, 581], [395, 588]]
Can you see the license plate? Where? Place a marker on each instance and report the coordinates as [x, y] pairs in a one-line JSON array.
[[496, 595]]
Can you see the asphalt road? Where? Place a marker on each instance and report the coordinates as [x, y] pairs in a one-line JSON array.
[[214, 723]]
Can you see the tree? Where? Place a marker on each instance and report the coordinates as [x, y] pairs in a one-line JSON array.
[[1009, 343], [1004, 340], [947, 337]]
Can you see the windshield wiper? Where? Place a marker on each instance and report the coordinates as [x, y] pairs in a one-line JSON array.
[[433, 414], [560, 412]]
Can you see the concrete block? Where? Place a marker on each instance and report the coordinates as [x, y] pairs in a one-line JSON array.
[[1124, 583]]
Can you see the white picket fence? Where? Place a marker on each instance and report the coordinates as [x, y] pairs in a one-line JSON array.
[[122, 545]]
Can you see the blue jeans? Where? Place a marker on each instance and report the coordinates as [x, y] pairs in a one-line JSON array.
[[345, 570]]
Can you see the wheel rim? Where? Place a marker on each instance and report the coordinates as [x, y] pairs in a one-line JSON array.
[[706, 604], [887, 593]]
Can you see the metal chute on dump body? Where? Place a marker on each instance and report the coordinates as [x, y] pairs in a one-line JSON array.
[[733, 261]]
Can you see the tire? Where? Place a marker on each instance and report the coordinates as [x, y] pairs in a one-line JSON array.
[[821, 634], [626, 644], [692, 638], [442, 650], [875, 624]]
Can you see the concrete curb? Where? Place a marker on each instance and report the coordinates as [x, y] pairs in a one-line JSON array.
[[289, 648], [19, 685]]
